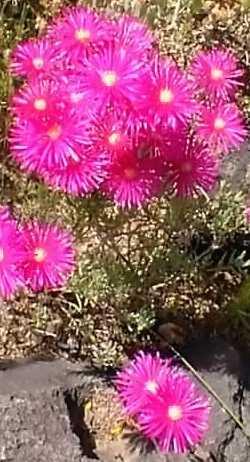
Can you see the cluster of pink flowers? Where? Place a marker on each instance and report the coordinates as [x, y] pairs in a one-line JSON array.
[[100, 109], [35, 255], [168, 407]]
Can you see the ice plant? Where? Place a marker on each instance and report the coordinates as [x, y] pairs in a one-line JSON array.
[[192, 168], [46, 144], [222, 127], [168, 98], [217, 73], [133, 35], [79, 31], [11, 255], [50, 256], [39, 99], [79, 177], [113, 77], [141, 378], [133, 181], [176, 418], [34, 58]]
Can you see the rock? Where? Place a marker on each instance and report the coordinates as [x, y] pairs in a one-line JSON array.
[[40, 419], [222, 367]]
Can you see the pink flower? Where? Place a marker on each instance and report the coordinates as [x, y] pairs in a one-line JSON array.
[[217, 73], [11, 256], [141, 378], [79, 31], [222, 127], [168, 98], [81, 177], [113, 77], [108, 132], [33, 58], [38, 99], [133, 35], [46, 144], [132, 181], [176, 418], [50, 256], [191, 167]]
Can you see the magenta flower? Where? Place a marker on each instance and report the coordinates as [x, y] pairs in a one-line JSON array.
[[114, 77], [79, 31], [133, 181], [81, 177], [108, 133], [34, 58], [192, 168], [50, 256], [176, 418], [167, 95], [49, 143], [141, 378], [222, 127], [217, 73], [133, 35], [11, 255], [38, 99]]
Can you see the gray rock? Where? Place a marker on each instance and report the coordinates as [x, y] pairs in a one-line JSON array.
[[38, 422]]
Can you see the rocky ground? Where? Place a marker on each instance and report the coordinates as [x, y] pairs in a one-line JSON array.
[[42, 413]]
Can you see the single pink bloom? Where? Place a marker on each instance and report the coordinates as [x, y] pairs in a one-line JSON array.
[[34, 58], [217, 73], [108, 132], [192, 168], [133, 35], [176, 418], [79, 31], [113, 77], [222, 127], [167, 94], [141, 378], [49, 143], [132, 181], [81, 177], [50, 257], [39, 99], [12, 255]]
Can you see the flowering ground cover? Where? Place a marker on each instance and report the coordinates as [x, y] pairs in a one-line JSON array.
[[121, 227]]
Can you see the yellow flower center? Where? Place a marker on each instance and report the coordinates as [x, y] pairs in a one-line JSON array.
[[40, 104], [38, 63], [216, 74], [1, 254], [166, 96], [151, 386], [82, 35], [130, 173], [114, 138], [40, 255], [54, 132], [219, 123], [174, 413], [109, 78]]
